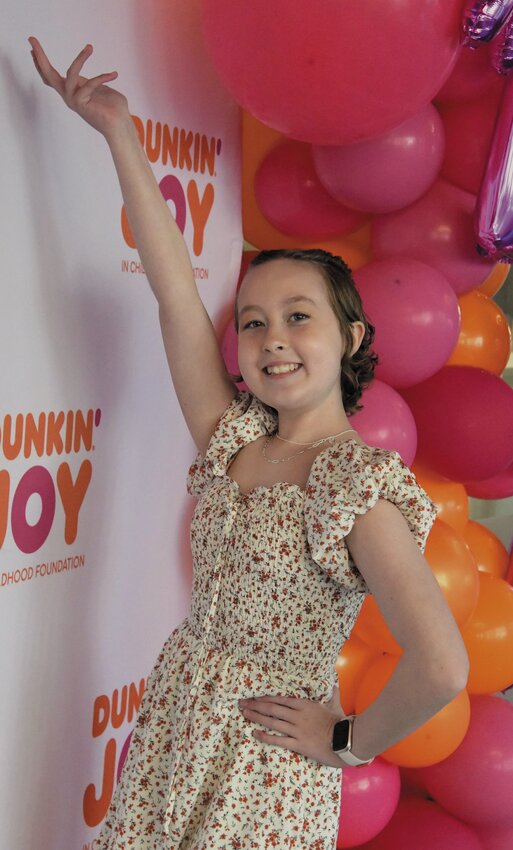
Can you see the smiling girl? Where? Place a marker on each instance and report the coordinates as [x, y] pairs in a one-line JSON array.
[[240, 740]]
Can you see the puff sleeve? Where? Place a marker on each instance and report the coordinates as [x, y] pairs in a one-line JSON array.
[[245, 419], [348, 482]]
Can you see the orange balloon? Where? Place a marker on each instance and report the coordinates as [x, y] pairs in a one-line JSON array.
[[490, 554], [257, 141], [495, 280], [450, 497], [455, 570], [485, 336], [353, 661], [432, 742], [488, 637]]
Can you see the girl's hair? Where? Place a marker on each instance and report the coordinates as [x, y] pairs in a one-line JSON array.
[[357, 371]]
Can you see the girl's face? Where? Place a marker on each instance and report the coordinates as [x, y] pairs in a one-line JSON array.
[[286, 320]]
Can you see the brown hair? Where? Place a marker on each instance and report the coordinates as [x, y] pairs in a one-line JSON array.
[[357, 371]]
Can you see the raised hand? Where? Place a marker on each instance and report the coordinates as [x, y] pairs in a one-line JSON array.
[[98, 104]]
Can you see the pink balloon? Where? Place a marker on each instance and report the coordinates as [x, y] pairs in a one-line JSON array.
[[499, 486], [464, 418], [494, 211], [293, 199], [386, 421], [483, 19], [386, 173], [495, 838], [416, 315], [475, 783], [437, 229], [473, 77], [330, 72], [229, 350], [423, 825], [370, 795]]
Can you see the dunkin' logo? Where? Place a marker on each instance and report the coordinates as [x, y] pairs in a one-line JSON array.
[[42, 436], [184, 151]]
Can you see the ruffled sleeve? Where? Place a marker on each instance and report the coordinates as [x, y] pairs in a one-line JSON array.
[[347, 482], [245, 419]]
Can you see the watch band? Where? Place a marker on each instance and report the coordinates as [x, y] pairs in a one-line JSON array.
[[345, 754]]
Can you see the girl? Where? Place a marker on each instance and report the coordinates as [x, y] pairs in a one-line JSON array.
[[240, 740]]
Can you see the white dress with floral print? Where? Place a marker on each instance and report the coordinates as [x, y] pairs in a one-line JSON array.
[[275, 595]]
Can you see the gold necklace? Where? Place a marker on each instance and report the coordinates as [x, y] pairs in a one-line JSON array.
[[308, 445]]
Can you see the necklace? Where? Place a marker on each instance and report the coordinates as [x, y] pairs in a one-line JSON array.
[[308, 445]]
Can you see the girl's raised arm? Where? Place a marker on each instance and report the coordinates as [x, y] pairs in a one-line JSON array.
[[200, 379]]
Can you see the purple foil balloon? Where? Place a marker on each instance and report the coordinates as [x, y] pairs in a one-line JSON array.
[[482, 20], [502, 55], [494, 208]]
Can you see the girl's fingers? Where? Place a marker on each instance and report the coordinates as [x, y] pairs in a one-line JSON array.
[[45, 70], [86, 90], [72, 74]]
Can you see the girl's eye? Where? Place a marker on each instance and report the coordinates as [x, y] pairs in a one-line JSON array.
[[300, 315], [252, 323]]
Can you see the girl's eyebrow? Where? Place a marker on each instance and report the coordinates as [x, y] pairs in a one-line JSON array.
[[292, 300]]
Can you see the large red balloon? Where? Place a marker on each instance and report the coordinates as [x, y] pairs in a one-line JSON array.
[[332, 72], [464, 419], [438, 229], [424, 825]]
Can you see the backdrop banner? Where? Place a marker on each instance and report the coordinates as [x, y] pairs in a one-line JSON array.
[[95, 565]]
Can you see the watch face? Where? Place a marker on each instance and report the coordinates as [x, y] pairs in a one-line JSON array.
[[340, 735]]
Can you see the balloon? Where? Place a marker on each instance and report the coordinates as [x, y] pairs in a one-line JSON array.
[[416, 316], [386, 173], [411, 783], [437, 738], [455, 570], [229, 346], [386, 421], [472, 77], [494, 210], [483, 19], [353, 660], [485, 337], [475, 783], [488, 637], [459, 436], [370, 795], [489, 553], [468, 134], [438, 230], [502, 56], [495, 838], [332, 73], [423, 825], [495, 280], [292, 198], [449, 496], [499, 486]]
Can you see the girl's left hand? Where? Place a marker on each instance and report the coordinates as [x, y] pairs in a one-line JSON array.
[[304, 726]]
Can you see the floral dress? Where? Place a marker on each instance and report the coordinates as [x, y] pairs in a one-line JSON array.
[[275, 595]]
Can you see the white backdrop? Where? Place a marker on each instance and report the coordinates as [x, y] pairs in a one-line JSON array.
[[94, 555]]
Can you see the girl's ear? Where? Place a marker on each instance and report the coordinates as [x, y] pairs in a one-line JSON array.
[[358, 332]]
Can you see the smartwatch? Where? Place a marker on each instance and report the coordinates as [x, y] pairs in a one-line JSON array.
[[343, 741]]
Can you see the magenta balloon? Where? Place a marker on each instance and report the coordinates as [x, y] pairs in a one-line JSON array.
[[472, 77], [424, 825], [386, 420], [502, 55], [370, 795], [495, 838], [438, 229], [416, 316], [387, 173], [229, 350], [483, 19], [475, 783], [464, 419], [292, 198], [494, 211], [332, 72], [499, 486]]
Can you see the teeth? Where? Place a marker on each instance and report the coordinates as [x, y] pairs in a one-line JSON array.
[[278, 370]]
